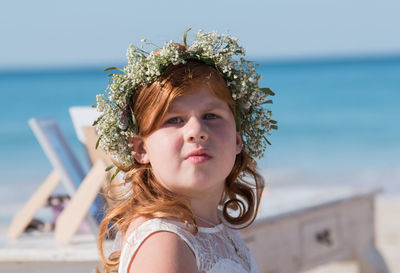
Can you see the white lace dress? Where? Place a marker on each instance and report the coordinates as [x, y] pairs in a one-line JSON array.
[[217, 250]]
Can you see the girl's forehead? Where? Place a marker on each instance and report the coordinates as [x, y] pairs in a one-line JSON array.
[[201, 97]]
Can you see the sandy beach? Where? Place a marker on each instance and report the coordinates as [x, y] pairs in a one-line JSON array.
[[387, 225]]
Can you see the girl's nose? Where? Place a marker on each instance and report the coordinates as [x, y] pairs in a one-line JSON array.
[[195, 131]]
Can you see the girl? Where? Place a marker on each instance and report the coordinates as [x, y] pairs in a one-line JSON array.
[[184, 123]]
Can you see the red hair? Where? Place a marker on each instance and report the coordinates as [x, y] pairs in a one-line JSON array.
[[144, 196]]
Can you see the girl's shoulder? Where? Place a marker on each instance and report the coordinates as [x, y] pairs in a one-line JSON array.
[[214, 248], [142, 226], [152, 236]]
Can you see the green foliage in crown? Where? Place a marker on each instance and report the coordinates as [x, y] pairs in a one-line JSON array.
[[117, 122]]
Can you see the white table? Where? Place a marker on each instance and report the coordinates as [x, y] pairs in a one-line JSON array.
[[41, 253], [300, 228], [297, 229]]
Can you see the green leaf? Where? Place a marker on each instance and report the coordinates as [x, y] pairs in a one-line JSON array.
[[269, 143], [114, 68], [268, 91], [98, 141], [133, 116], [274, 127], [110, 68], [266, 102], [239, 116], [114, 175], [273, 121], [185, 36], [109, 167], [97, 120]]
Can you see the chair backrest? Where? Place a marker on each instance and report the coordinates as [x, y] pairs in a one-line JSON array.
[[83, 116], [64, 161]]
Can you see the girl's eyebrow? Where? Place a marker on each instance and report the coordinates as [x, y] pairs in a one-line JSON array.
[[177, 108]]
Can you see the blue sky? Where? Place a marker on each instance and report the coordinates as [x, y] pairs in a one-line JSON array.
[[45, 33]]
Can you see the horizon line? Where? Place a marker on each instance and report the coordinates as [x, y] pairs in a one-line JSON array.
[[319, 59]]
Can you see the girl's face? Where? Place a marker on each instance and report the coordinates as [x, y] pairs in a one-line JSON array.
[[194, 149]]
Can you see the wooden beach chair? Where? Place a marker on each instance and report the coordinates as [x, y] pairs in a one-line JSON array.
[[83, 117], [83, 188]]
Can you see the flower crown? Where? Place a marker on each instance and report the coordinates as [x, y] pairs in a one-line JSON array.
[[117, 122]]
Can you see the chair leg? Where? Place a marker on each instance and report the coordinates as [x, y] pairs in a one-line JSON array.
[[78, 207], [28, 211]]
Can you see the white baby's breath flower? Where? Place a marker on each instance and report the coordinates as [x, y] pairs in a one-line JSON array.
[[227, 57]]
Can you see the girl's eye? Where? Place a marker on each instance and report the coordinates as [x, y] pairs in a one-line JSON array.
[[175, 120], [210, 116]]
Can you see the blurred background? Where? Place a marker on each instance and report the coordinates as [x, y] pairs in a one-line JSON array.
[[334, 65]]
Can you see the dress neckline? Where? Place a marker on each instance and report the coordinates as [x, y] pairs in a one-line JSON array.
[[215, 229]]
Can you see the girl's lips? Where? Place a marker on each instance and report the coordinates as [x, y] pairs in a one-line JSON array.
[[200, 151], [198, 159]]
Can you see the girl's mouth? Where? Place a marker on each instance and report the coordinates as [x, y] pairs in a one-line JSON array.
[[198, 159], [198, 156]]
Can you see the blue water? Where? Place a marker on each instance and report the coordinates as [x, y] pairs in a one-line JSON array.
[[337, 114], [338, 120]]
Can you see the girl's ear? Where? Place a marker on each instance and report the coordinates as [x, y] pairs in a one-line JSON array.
[[239, 143], [137, 145]]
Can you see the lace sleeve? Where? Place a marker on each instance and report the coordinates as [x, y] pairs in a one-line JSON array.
[[134, 240]]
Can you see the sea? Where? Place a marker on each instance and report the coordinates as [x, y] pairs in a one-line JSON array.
[[338, 118]]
